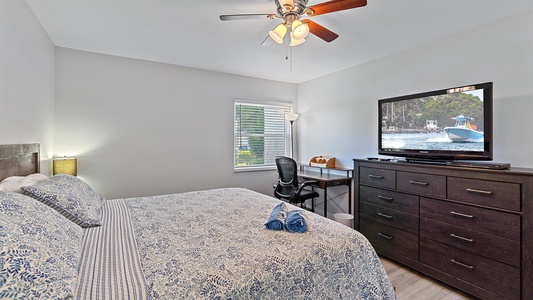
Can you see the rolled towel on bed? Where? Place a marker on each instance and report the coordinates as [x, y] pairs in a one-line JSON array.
[[276, 221], [297, 221]]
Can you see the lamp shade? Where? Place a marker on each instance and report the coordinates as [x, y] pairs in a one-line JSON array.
[[299, 30], [291, 117], [278, 33], [296, 42], [66, 166]]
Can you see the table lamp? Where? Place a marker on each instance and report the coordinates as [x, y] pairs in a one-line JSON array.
[[65, 166]]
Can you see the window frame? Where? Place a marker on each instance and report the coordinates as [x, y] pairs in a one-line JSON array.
[[287, 107]]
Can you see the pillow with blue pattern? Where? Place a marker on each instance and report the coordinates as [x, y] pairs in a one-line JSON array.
[[69, 195], [39, 250]]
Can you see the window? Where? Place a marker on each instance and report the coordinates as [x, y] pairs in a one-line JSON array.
[[261, 133]]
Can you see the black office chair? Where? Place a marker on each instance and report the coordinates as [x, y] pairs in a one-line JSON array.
[[288, 187]]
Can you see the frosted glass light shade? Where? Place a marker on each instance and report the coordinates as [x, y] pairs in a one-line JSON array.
[[299, 30], [66, 166], [296, 42], [278, 33], [291, 117]]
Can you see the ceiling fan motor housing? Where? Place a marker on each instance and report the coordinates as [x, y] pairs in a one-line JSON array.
[[297, 8]]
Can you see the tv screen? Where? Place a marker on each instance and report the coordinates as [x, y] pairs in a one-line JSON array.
[[442, 125]]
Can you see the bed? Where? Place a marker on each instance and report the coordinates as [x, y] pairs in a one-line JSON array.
[[61, 240]]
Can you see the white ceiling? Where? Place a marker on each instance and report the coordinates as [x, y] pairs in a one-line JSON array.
[[190, 33]]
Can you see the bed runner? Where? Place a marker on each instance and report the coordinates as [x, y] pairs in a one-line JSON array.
[[110, 267]]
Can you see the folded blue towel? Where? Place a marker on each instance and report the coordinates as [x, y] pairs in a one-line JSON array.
[[297, 221], [276, 221]]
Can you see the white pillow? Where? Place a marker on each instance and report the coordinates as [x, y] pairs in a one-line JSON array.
[[13, 183]]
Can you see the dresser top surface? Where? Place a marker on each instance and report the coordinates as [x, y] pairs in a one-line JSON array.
[[433, 167]]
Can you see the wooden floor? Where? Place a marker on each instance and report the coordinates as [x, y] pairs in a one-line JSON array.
[[411, 285]]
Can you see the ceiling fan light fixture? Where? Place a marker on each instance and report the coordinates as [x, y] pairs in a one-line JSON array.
[[299, 30], [287, 4], [278, 33], [295, 42]]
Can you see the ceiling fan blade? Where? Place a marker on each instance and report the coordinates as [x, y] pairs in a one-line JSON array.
[[267, 42], [333, 6], [321, 31], [248, 17]]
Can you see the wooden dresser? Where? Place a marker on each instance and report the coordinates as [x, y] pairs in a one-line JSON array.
[[468, 227]]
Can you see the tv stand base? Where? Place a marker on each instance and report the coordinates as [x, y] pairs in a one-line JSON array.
[[462, 164], [482, 165], [426, 161]]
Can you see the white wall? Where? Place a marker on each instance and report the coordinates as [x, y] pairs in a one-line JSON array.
[[139, 144], [26, 80], [338, 112], [142, 128]]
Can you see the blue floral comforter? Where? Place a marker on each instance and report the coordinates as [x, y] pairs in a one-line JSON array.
[[213, 245]]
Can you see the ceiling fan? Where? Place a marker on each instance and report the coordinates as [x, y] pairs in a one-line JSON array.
[[291, 11]]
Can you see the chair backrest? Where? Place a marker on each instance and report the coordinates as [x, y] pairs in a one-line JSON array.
[[288, 177], [287, 169]]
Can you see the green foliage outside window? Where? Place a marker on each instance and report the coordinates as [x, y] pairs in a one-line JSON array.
[[252, 121], [261, 133]]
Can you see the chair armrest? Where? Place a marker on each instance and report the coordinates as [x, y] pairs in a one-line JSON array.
[[307, 183], [296, 193]]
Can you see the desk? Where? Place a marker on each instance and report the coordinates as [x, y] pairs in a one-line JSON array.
[[325, 179]]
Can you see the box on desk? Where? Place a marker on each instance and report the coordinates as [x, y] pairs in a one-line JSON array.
[[323, 161]]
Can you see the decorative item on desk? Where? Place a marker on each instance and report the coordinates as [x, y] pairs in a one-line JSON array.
[[323, 161], [66, 165]]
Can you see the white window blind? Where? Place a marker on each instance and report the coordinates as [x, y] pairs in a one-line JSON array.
[[261, 133]]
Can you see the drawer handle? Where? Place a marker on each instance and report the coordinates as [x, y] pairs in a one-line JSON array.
[[418, 182], [384, 216], [375, 176], [385, 198], [461, 238], [479, 191], [461, 215], [385, 236], [461, 264]]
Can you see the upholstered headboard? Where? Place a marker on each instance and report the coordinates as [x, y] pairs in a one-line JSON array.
[[19, 160]]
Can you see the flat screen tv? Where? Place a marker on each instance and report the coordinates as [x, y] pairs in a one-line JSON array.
[[438, 126]]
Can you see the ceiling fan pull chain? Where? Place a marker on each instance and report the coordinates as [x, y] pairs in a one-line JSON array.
[[287, 48], [290, 54]]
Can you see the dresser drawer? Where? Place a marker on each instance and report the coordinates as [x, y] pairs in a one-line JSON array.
[[398, 201], [487, 245], [377, 177], [390, 217], [493, 222], [390, 238], [488, 274], [490, 193], [420, 183]]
